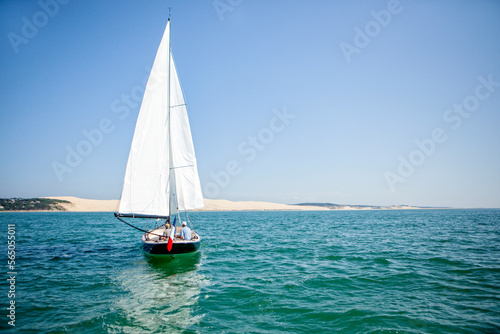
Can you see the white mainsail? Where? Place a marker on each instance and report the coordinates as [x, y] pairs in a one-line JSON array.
[[161, 176]]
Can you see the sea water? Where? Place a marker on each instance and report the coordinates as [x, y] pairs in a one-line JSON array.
[[402, 271]]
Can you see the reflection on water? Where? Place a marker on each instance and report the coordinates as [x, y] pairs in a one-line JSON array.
[[168, 265], [160, 295]]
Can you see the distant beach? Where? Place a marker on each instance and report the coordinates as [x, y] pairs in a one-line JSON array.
[[91, 205]]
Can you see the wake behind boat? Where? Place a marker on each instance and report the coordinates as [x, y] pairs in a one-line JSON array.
[[161, 179]]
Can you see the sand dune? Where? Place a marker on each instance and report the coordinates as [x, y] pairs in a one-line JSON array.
[[225, 205], [87, 205], [92, 205]]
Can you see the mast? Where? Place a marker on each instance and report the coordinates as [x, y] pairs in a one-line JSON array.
[[173, 196], [171, 179]]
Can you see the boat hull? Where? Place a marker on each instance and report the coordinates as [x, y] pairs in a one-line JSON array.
[[160, 248]]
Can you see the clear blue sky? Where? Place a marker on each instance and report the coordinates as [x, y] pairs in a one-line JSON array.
[[360, 90]]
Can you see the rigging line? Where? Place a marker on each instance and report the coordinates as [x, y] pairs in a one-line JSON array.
[[137, 228], [189, 220], [178, 105], [181, 166]]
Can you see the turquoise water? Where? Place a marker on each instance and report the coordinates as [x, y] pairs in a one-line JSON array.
[[427, 271]]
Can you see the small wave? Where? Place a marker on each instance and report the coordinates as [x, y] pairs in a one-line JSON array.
[[381, 260], [441, 260], [61, 257]]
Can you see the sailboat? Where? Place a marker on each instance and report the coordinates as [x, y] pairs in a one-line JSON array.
[[161, 179]]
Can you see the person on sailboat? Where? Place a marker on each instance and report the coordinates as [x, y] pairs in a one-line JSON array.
[[166, 232], [185, 232]]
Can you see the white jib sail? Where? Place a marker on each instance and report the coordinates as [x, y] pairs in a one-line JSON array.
[[183, 164], [146, 185]]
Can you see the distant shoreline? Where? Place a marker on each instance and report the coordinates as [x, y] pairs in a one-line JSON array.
[[75, 204]]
